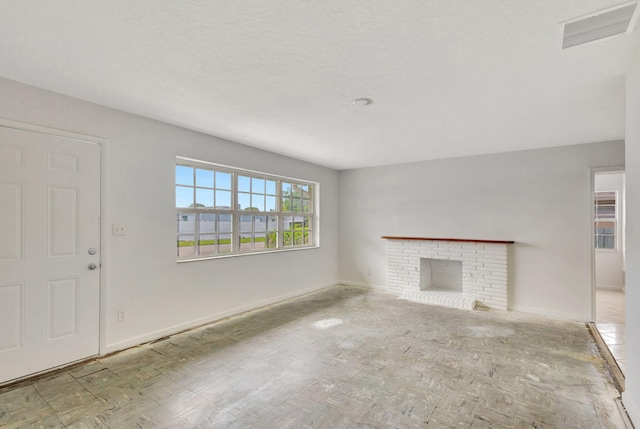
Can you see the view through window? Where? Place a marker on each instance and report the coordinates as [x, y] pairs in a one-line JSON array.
[[223, 210]]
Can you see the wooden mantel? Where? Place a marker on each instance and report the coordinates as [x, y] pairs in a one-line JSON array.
[[468, 240]]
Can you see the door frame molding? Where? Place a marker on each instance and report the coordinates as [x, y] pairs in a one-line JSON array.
[[592, 187], [103, 144]]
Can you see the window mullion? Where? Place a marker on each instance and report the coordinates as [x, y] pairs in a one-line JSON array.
[[235, 237]]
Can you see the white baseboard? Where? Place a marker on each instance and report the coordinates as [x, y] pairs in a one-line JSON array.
[[363, 285], [152, 336], [609, 287], [552, 314], [632, 408]]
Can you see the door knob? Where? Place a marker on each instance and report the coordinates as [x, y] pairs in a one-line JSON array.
[[92, 267]]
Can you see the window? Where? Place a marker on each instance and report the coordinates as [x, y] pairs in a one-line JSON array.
[[223, 210], [605, 222]]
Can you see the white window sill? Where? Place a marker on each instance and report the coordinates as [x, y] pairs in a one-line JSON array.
[[234, 255]]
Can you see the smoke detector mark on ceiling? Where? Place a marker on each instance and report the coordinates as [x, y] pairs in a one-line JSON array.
[[600, 25]]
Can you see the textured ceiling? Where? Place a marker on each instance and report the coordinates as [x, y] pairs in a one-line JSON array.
[[448, 77]]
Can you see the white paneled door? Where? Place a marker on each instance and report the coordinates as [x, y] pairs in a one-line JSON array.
[[49, 251]]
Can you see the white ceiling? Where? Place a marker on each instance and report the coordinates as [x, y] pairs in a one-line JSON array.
[[448, 77]]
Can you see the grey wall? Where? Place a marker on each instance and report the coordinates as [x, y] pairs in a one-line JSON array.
[[538, 198], [159, 295], [631, 395]]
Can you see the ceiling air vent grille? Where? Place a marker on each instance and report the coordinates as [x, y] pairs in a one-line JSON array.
[[598, 26]]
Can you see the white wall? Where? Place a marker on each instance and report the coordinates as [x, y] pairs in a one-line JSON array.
[[610, 262], [159, 295], [631, 396], [540, 199]]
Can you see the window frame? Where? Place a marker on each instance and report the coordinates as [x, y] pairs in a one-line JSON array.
[[597, 220], [236, 212]]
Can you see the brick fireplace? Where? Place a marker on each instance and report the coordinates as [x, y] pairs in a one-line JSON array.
[[454, 273]]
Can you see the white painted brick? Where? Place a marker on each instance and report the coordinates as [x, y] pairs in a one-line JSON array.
[[492, 259], [499, 274], [451, 254], [497, 280], [493, 297], [496, 266]]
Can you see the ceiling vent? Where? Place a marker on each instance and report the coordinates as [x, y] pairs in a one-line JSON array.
[[599, 25]]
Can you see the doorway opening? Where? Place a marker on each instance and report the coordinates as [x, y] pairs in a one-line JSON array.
[[609, 264]]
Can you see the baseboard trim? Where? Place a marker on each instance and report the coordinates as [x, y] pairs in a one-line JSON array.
[[551, 314], [175, 329], [632, 410], [363, 285]]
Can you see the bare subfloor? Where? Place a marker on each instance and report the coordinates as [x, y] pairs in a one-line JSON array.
[[341, 358]]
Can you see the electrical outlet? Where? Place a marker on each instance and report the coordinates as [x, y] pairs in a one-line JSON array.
[[122, 316]]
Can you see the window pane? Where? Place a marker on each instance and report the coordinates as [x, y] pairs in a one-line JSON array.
[[186, 245], [225, 223], [259, 241], [305, 206], [308, 222], [287, 238], [204, 178], [246, 243], [606, 228], [257, 185], [244, 201], [224, 243], [259, 223], [257, 202], [271, 187], [297, 205], [245, 223], [273, 223], [223, 199], [307, 237], [223, 180], [286, 188], [270, 204], [286, 204], [272, 240], [204, 197], [207, 222], [287, 223], [184, 197], [605, 197], [244, 183], [609, 242], [207, 245], [605, 212], [297, 238], [184, 175], [186, 223]]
